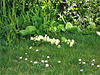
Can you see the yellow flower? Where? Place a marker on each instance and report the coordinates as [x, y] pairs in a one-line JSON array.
[[59, 46]]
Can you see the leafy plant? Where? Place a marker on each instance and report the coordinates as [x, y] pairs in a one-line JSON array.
[[28, 30], [73, 29], [61, 27], [92, 26]]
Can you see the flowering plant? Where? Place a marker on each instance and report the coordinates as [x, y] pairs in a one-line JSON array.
[[52, 41]]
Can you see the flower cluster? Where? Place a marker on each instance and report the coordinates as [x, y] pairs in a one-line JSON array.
[[46, 39], [43, 61], [52, 41], [71, 42], [84, 63]]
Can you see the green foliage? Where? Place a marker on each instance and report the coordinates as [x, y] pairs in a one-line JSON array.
[[48, 16], [98, 20], [92, 26], [68, 25], [61, 27], [73, 29], [23, 32], [28, 30]]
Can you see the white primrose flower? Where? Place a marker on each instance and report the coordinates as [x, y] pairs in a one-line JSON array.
[[38, 39], [40, 36], [66, 40], [59, 46], [46, 65], [45, 35], [32, 38], [98, 33], [73, 41], [44, 39], [53, 41], [57, 41], [48, 39], [71, 44]]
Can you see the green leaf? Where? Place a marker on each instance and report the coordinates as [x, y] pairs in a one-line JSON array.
[[68, 25], [61, 26], [30, 29], [23, 32], [63, 39], [55, 28]]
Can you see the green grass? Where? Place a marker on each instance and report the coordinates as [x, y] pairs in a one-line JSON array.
[[87, 47]]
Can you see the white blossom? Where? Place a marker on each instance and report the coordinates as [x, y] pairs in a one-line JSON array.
[[59, 61], [25, 58], [20, 57], [92, 64], [81, 69], [37, 50], [30, 47], [46, 65], [35, 62], [80, 60], [46, 61], [48, 56], [42, 61], [98, 65], [31, 61]]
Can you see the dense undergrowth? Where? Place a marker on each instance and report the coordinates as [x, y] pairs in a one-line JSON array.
[[37, 17]]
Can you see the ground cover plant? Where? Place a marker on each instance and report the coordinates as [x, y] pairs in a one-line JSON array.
[[50, 37]]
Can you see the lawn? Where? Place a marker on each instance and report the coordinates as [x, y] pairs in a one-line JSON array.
[[81, 59]]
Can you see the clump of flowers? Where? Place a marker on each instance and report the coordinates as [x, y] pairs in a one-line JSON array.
[[83, 64], [52, 41]]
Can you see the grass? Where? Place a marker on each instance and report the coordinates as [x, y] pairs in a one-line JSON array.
[[87, 47]]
